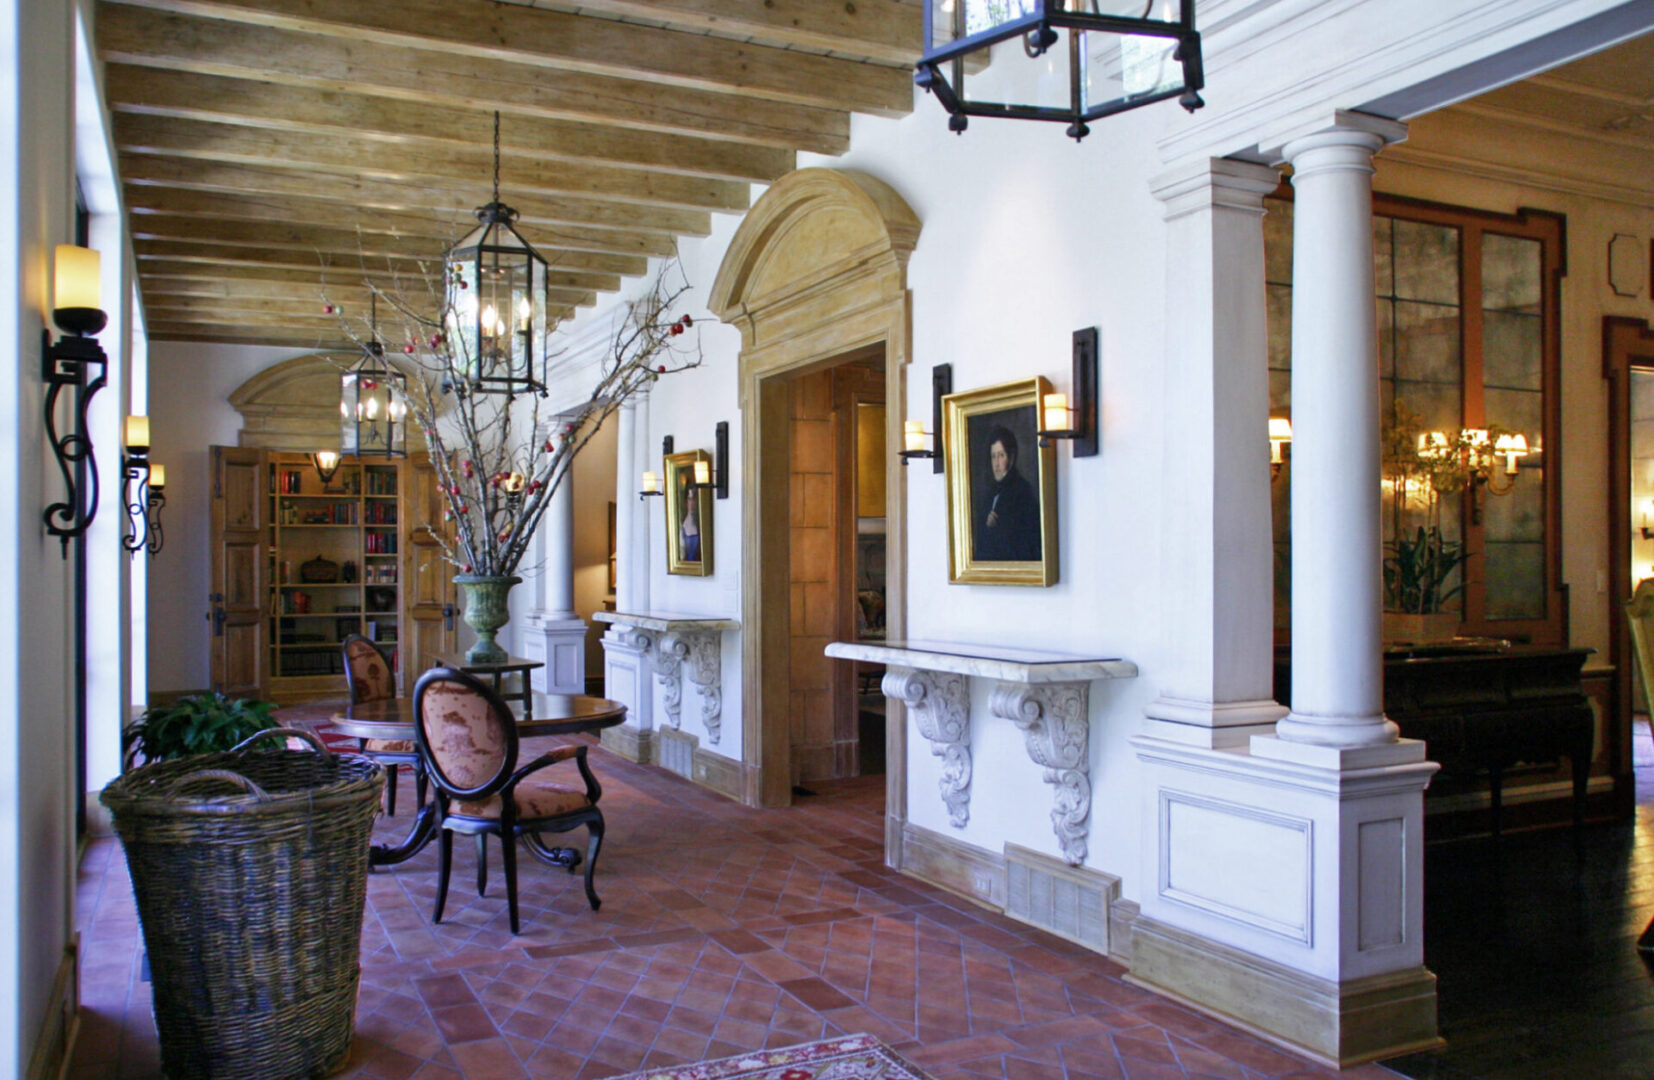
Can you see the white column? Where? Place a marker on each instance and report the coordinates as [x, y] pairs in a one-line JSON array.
[[626, 505], [563, 641], [1337, 554], [559, 556], [642, 557], [1217, 591]]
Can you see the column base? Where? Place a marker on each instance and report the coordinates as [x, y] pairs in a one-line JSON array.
[[627, 671], [1338, 1024], [1338, 758], [631, 742]]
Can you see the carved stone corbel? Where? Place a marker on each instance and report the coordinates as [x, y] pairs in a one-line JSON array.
[[706, 661], [940, 704], [1055, 719], [669, 654]]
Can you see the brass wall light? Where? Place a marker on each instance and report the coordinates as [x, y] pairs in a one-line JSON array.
[[326, 464], [74, 360], [1280, 437]]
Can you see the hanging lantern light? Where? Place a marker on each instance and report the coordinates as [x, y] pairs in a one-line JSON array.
[[373, 403], [1119, 55], [496, 293]]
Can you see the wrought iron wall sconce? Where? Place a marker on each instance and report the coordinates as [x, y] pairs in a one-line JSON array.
[[1280, 437], [914, 435], [1079, 423], [141, 494], [326, 464], [715, 475], [74, 360], [652, 479]]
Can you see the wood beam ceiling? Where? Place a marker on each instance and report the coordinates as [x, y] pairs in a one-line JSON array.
[[272, 150]]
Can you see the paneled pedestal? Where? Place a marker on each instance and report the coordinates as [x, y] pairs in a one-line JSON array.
[[560, 644], [671, 646]]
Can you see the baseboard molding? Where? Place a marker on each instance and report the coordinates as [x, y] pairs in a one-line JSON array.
[[954, 865], [99, 821], [726, 776], [55, 1043], [630, 742], [1337, 1024], [1122, 914]]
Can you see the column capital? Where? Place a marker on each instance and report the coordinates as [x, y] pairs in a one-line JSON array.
[[1212, 183], [1348, 134]]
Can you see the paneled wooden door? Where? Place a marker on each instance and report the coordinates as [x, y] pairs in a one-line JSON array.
[[429, 589], [239, 568]]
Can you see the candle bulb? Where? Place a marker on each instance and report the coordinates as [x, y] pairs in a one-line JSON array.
[[77, 279], [1056, 412], [157, 477], [513, 484], [913, 436], [525, 312], [490, 321], [651, 483], [137, 435], [703, 472], [1280, 433]]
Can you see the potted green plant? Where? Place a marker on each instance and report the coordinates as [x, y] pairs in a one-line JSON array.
[[196, 724], [1417, 572]]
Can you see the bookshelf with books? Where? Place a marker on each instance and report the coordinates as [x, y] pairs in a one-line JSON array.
[[334, 569]]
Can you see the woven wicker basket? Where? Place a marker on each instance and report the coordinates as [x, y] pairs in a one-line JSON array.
[[250, 871]]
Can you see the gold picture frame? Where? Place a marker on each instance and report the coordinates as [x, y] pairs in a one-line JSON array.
[[688, 516], [1002, 529]]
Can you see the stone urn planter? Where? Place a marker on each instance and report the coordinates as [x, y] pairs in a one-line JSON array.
[[487, 608]]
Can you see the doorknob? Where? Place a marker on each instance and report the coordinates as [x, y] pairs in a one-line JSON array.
[[447, 616]]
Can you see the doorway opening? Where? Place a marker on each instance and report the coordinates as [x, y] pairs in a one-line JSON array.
[[836, 566]]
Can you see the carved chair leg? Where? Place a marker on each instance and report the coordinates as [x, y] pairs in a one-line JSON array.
[[482, 863], [445, 863], [593, 846], [421, 787], [508, 860], [390, 788]]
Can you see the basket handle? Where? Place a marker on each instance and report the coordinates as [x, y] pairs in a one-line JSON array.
[[225, 775], [315, 743]]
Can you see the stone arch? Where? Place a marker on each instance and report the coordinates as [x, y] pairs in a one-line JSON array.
[[816, 272], [292, 405]]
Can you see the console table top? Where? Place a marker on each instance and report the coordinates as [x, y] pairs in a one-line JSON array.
[[666, 622], [985, 661]]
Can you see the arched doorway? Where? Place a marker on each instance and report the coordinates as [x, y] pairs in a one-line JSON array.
[[816, 273]]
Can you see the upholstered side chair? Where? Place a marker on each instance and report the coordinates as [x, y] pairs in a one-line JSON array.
[[468, 743], [369, 675]]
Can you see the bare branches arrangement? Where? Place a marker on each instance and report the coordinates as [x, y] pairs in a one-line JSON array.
[[500, 457]]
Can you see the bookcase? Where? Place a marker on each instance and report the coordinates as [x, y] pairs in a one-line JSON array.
[[335, 568]]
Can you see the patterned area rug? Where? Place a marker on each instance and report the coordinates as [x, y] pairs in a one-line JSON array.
[[314, 719], [853, 1057]]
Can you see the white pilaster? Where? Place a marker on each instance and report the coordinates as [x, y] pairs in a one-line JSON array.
[[1217, 588], [1337, 555], [642, 557]]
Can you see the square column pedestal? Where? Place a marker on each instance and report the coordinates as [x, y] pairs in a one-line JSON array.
[[1282, 890], [626, 678], [560, 644]]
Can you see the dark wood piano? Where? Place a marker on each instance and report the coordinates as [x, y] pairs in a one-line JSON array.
[[1487, 707]]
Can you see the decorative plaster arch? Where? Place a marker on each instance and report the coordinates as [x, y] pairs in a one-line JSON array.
[[816, 272], [292, 405]]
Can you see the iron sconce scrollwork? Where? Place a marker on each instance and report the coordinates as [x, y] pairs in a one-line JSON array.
[[143, 490], [75, 360]]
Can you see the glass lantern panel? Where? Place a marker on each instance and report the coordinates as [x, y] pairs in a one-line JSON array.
[[1125, 67], [983, 15], [462, 311]]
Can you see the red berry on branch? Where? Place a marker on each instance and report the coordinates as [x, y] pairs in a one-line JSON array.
[[327, 309], [467, 568], [677, 328], [661, 369], [408, 348], [687, 321]]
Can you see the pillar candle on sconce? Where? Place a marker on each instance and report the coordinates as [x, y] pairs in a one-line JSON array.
[[143, 487]]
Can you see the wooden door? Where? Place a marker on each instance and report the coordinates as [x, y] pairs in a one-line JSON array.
[[428, 579], [240, 591]]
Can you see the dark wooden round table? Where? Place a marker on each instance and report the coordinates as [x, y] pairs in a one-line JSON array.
[[566, 714]]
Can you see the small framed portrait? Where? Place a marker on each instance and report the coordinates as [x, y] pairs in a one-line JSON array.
[[1002, 487], [688, 516]]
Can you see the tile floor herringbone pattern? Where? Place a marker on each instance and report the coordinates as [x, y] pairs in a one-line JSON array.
[[723, 929]]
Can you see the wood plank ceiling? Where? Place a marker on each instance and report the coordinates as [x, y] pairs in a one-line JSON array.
[[274, 149]]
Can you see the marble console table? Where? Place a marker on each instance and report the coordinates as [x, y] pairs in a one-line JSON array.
[[1046, 694], [670, 639]]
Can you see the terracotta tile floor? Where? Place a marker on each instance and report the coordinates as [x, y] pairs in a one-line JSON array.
[[722, 929]]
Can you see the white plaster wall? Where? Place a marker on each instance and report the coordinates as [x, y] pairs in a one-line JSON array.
[[594, 489], [189, 413]]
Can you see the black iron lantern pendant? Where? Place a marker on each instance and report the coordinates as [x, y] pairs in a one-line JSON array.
[[373, 402], [1120, 54], [496, 303]]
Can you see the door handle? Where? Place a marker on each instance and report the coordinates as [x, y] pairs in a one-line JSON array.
[[447, 616], [218, 617]]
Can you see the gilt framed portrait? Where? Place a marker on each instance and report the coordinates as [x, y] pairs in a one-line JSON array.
[[1002, 487], [688, 516]]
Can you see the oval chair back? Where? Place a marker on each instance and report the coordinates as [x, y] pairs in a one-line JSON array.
[[467, 736], [367, 672]]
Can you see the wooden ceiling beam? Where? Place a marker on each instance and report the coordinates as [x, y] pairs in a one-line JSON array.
[[887, 31], [558, 41], [301, 108], [177, 186], [208, 46], [302, 308], [352, 242], [349, 266], [358, 156], [207, 280], [244, 335]]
